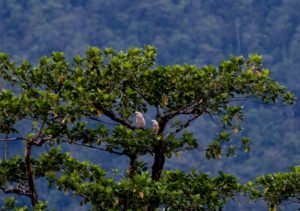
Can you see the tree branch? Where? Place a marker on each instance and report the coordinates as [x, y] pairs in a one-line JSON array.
[[180, 110], [98, 120], [186, 124], [47, 138], [142, 95], [12, 139], [16, 190], [98, 148], [212, 118], [113, 116], [42, 141], [159, 157], [157, 111]]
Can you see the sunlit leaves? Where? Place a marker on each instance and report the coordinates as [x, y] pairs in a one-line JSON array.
[[197, 190], [289, 98], [11, 171], [214, 150], [246, 143], [277, 188], [11, 204]]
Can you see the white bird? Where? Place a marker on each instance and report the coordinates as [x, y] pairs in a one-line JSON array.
[[140, 121], [155, 126]]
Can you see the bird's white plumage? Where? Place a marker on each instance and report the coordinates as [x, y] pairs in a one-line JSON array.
[[140, 121], [155, 126]]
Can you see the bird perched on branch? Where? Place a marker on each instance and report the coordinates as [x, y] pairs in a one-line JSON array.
[[155, 126], [140, 121]]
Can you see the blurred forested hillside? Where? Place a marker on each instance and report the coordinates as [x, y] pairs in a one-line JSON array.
[[183, 31]]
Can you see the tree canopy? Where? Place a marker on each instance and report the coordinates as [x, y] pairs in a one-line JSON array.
[[91, 101]]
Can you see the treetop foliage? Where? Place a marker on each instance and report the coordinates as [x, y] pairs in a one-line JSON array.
[[90, 101]]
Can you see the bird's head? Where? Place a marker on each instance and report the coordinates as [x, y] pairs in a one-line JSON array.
[[154, 121], [137, 113]]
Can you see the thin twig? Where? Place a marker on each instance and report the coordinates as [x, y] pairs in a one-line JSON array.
[[200, 148], [12, 139], [212, 118], [98, 120], [142, 95], [181, 110], [97, 148], [186, 124]]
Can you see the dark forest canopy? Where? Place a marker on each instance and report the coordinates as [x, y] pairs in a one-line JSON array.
[[196, 31]]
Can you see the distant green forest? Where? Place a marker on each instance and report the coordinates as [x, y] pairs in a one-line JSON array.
[[196, 32]]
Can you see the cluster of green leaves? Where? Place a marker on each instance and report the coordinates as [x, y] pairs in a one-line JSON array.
[[176, 189], [198, 190], [277, 188], [11, 205]]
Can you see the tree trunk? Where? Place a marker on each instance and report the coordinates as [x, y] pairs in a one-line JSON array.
[[158, 165], [33, 194], [132, 165], [5, 147], [159, 157], [159, 162]]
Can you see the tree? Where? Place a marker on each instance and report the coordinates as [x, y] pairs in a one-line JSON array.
[[91, 102], [277, 188]]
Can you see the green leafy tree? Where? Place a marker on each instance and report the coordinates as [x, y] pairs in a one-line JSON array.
[[277, 188], [91, 101]]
